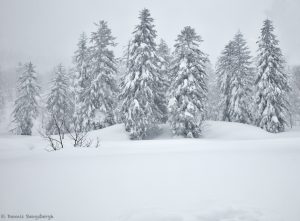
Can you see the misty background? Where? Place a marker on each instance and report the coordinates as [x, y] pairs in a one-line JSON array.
[[46, 32]]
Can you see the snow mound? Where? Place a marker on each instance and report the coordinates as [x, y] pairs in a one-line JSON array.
[[211, 130], [116, 139], [231, 130], [113, 133]]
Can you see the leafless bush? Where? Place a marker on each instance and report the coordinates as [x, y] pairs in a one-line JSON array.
[[78, 133], [55, 143], [75, 131]]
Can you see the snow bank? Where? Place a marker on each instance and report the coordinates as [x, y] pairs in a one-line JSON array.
[[234, 131]]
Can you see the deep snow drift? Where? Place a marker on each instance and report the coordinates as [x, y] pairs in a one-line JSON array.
[[235, 172]]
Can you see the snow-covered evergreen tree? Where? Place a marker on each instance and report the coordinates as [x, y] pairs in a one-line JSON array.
[[82, 79], [59, 103], [98, 98], [81, 62], [164, 54], [294, 96], [272, 86], [26, 104], [142, 86], [123, 65], [236, 78], [224, 73], [213, 96], [74, 88], [188, 91]]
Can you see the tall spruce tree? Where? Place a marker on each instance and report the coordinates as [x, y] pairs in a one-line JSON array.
[[142, 86], [224, 73], [123, 65], [59, 103], [164, 54], [294, 97], [82, 79], [213, 96], [236, 78], [26, 104], [188, 91], [81, 62], [271, 84], [99, 97]]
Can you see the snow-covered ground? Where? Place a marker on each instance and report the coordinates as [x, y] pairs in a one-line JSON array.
[[235, 172]]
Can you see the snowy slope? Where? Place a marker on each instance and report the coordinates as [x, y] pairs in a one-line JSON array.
[[234, 173]]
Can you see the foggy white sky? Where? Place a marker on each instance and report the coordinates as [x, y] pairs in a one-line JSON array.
[[46, 31]]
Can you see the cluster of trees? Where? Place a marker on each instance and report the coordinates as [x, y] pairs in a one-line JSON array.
[[257, 95], [150, 85]]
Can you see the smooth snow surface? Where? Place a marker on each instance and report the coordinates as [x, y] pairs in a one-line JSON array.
[[235, 172]]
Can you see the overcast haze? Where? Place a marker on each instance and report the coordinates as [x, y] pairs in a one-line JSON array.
[[46, 32]]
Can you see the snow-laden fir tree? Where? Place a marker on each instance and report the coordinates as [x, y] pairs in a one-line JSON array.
[[59, 103], [123, 64], [213, 96], [142, 86], [26, 104], [72, 76], [164, 54], [294, 96], [271, 84], [81, 62], [98, 99], [224, 72], [82, 78], [235, 79], [188, 91]]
